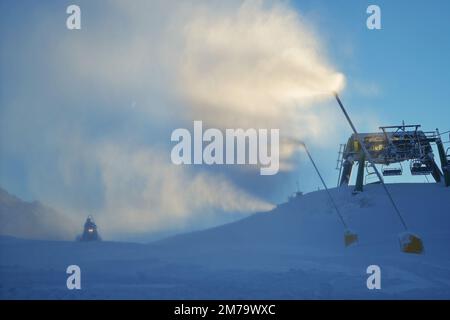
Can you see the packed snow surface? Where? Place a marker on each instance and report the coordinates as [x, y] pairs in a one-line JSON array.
[[295, 251]]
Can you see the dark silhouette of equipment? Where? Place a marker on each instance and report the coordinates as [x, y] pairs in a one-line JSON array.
[[90, 232]]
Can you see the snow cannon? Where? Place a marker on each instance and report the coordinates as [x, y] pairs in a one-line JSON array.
[[90, 232], [350, 238], [410, 243]]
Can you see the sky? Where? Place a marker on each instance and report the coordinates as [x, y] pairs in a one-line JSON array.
[[86, 115]]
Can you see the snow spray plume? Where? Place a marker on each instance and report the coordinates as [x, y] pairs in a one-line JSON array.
[[250, 64]]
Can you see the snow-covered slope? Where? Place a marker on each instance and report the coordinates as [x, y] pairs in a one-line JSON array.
[[295, 251], [32, 219], [310, 224]]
